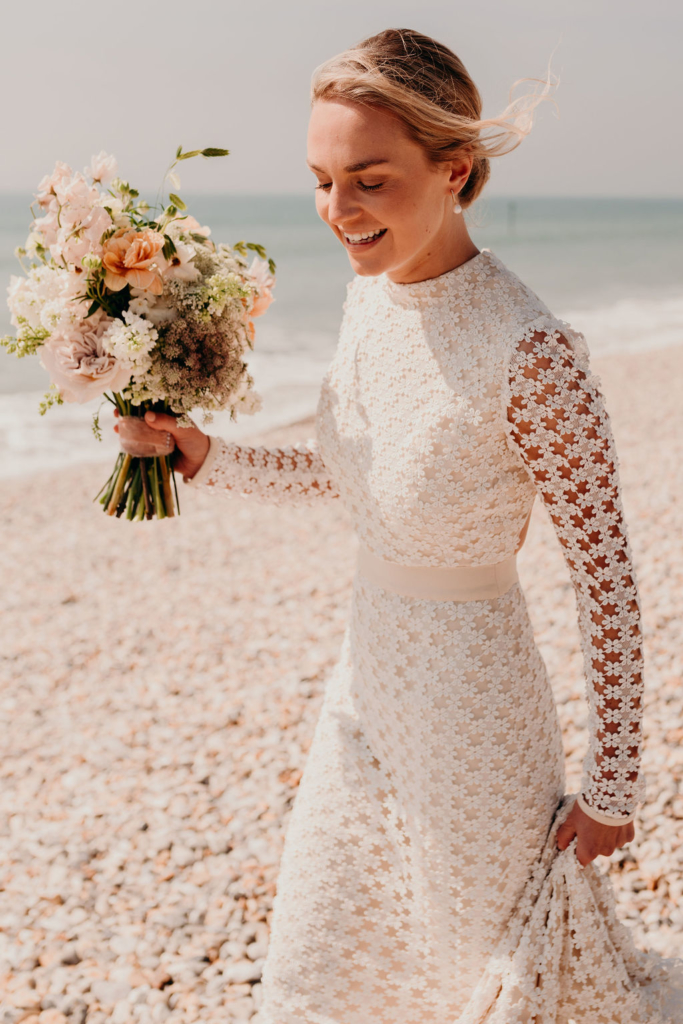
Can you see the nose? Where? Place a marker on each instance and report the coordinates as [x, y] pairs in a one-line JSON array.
[[342, 205]]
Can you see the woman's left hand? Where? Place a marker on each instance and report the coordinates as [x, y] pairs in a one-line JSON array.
[[593, 838]]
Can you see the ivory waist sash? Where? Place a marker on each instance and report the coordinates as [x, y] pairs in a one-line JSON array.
[[458, 583]]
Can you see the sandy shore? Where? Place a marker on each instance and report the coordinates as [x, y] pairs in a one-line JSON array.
[[160, 684]]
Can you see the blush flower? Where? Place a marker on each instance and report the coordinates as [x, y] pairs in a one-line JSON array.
[[78, 364], [47, 188], [264, 281], [103, 168], [129, 258]]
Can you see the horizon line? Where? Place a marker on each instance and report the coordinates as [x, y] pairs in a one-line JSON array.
[[7, 192]]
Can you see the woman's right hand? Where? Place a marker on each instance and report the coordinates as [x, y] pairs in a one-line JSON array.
[[192, 444]]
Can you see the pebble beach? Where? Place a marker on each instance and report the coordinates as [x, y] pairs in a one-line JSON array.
[[159, 687]]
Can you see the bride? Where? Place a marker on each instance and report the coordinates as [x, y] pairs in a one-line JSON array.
[[434, 871]]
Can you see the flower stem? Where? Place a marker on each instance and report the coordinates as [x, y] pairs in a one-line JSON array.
[[158, 500], [120, 484], [147, 494], [166, 484]]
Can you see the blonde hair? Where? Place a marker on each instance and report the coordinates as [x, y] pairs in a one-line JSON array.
[[430, 91]]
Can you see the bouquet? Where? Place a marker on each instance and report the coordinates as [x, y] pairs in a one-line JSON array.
[[136, 305]]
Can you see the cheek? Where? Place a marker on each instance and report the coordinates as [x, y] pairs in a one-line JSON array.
[[411, 215], [322, 203]]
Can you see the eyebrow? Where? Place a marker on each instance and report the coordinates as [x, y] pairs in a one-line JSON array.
[[353, 168]]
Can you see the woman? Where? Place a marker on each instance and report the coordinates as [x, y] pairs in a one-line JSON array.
[[433, 870]]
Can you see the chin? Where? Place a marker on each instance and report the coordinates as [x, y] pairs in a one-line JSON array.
[[368, 268]]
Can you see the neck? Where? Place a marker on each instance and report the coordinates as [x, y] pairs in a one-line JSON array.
[[448, 249]]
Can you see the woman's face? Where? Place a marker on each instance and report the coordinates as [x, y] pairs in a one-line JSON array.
[[385, 201]]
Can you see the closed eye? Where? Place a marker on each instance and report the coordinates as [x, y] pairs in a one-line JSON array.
[[327, 185]]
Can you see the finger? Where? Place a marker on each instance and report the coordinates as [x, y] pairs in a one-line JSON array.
[[116, 428], [161, 421], [565, 834], [585, 852], [116, 412]]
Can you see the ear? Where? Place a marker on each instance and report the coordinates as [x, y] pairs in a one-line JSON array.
[[460, 170]]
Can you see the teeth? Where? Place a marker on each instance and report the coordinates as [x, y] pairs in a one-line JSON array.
[[364, 236]]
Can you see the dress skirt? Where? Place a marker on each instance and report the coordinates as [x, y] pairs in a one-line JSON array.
[[420, 881], [431, 783]]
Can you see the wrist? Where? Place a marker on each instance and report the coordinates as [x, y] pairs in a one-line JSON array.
[[192, 466], [196, 471]]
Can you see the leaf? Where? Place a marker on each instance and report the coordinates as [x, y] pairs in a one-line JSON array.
[[271, 266], [259, 249], [187, 156], [169, 247], [178, 152], [177, 201], [94, 306], [211, 151]]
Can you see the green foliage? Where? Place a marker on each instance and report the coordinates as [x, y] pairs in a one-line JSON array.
[[50, 398], [169, 247], [177, 201], [96, 428], [208, 152], [27, 341], [258, 249]]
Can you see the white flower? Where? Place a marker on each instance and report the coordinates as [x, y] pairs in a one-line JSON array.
[[46, 297], [152, 307], [180, 266], [131, 340], [34, 240], [103, 168]]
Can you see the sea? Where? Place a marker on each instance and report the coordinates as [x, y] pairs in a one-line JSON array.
[[613, 268]]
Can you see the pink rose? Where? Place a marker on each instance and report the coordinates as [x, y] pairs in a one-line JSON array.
[[191, 225], [103, 168], [264, 281], [77, 363]]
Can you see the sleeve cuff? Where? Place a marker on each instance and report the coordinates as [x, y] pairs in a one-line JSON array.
[[604, 819], [206, 466]]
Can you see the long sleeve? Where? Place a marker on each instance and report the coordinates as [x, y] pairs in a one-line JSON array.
[[558, 424], [295, 474]]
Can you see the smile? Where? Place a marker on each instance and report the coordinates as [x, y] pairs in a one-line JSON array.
[[363, 239]]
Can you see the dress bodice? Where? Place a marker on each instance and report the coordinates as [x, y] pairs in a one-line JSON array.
[[412, 420]]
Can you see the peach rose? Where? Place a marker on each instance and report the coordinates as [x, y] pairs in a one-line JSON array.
[[128, 258]]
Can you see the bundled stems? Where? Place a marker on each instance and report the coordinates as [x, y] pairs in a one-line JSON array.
[[140, 488]]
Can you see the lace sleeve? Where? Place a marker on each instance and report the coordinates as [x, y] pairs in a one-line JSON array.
[[558, 424], [277, 475]]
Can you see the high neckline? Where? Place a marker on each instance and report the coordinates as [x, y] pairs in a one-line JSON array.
[[436, 285]]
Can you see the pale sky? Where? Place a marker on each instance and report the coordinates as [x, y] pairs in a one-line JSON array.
[[138, 77]]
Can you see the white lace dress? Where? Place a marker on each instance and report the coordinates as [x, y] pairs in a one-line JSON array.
[[420, 882]]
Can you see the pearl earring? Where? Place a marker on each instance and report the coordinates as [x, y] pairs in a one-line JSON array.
[[457, 208]]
